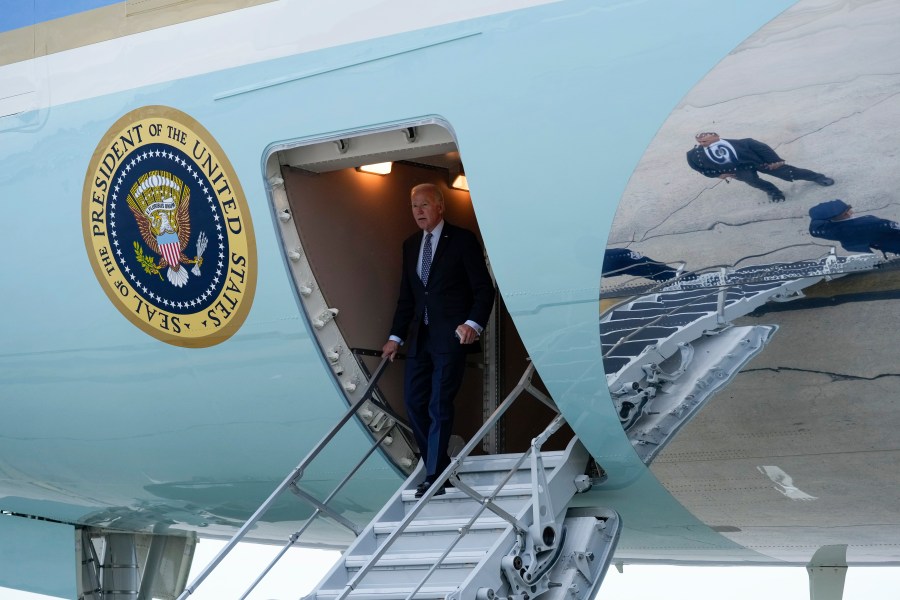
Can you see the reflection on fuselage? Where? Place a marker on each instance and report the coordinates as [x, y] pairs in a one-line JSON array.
[[720, 249], [744, 160], [667, 351], [834, 220], [769, 359], [622, 261]]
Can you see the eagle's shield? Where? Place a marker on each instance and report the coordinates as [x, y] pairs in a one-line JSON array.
[[169, 247]]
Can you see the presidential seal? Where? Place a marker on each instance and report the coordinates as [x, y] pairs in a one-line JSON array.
[[167, 228]]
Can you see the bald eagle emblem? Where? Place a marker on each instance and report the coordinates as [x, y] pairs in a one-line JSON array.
[[159, 202]]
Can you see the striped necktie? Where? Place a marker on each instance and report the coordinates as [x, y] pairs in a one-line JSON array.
[[426, 259], [426, 267]]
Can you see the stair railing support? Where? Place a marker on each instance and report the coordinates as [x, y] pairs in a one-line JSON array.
[[296, 535], [544, 552], [290, 480], [524, 383], [539, 547]]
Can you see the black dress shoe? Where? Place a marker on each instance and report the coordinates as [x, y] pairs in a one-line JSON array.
[[424, 487], [826, 181]]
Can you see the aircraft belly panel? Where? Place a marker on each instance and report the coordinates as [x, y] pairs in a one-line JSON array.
[[37, 556]]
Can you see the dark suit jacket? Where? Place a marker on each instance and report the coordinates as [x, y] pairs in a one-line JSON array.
[[859, 234], [459, 289], [750, 155]]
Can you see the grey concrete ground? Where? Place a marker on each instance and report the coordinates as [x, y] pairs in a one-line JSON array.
[[821, 404], [821, 85]]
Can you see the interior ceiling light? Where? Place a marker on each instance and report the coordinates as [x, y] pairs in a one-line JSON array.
[[377, 168], [460, 183]]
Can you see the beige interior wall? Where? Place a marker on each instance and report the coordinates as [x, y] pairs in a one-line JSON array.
[[527, 417], [352, 226]]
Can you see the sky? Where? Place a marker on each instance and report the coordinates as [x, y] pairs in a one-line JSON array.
[[301, 569]]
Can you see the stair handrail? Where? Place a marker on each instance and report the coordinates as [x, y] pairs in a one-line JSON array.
[[377, 395], [290, 481], [718, 290], [485, 503], [320, 508], [664, 286]]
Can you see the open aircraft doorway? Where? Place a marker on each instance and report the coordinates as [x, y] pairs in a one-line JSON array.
[[342, 205]]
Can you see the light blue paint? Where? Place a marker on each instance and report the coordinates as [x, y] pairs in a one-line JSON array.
[[43, 554], [574, 90], [243, 411]]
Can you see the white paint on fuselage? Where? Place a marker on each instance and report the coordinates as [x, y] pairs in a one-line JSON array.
[[259, 33]]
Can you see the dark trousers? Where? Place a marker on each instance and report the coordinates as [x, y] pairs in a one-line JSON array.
[[431, 382], [786, 172]]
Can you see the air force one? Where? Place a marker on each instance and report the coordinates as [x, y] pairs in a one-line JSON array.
[[200, 268]]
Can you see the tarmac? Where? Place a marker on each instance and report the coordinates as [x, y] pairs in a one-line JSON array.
[[821, 85], [821, 404]]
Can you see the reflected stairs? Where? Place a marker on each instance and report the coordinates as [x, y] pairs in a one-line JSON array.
[[668, 351], [462, 545]]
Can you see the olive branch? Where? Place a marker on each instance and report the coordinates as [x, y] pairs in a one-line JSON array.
[[148, 263]]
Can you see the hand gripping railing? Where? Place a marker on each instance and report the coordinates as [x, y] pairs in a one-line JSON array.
[[291, 483], [540, 564]]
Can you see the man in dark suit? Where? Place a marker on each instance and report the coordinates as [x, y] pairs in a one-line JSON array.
[[743, 159], [834, 220], [446, 297]]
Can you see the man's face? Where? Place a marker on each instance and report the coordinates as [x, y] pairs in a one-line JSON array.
[[427, 211], [844, 215], [705, 139]]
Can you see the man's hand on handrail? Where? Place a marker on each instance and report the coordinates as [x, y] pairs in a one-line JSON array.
[[390, 349]]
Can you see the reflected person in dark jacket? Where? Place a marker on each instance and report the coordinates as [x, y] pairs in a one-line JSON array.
[[622, 261], [834, 220], [743, 159]]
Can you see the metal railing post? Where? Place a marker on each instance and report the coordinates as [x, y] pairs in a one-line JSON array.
[[523, 385], [295, 474]]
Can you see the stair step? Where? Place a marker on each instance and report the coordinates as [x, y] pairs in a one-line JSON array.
[[401, 575], [510, 490], [466, 507], [413, 560], [504, 462], [485, 522], [435, 535], [390, 593], [473, 561]]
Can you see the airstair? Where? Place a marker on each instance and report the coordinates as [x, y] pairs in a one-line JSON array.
[[667, 350], [498, 533], [503, 528]]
